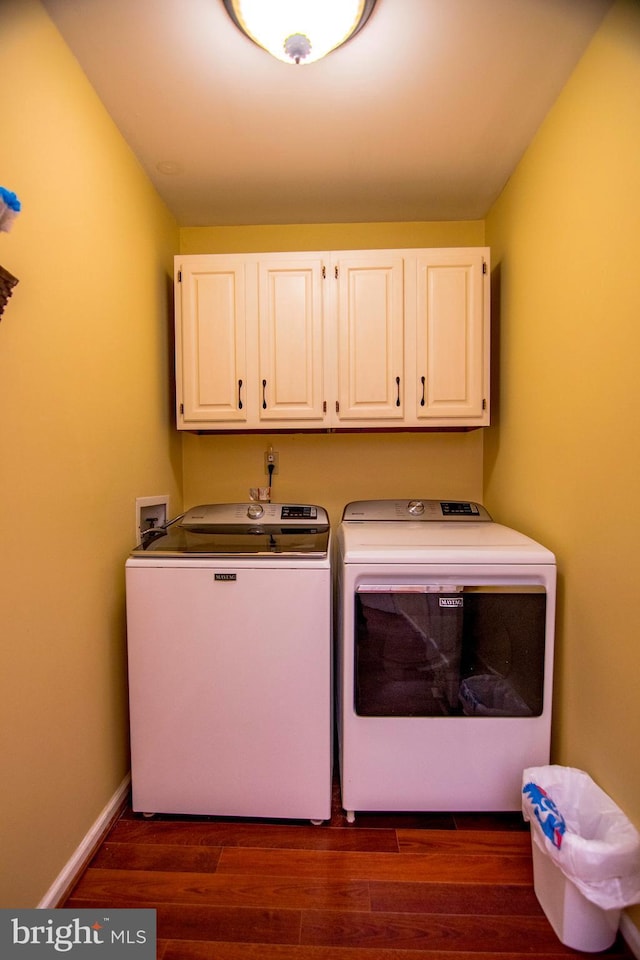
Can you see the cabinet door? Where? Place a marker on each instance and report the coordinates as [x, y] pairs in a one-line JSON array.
[[452, 342], [370, 337], [291, 331], [211, 375]]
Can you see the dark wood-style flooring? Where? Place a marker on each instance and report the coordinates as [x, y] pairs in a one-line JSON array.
[[389, 887]]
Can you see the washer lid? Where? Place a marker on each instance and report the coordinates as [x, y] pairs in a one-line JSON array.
[[251, 529], [425, 510], [437, 543]]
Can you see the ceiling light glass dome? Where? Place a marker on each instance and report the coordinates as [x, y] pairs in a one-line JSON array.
[[299, 31]]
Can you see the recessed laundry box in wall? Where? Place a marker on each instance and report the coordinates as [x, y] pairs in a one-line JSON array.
[[445, 630]]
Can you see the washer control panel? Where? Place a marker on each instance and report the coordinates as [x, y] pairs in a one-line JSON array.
[[297, 511], [210, 515], [425, 510]]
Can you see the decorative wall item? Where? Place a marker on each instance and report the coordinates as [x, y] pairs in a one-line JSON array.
[[9, 209], [7, 283]]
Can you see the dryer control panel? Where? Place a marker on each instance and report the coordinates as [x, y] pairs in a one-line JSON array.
[[429, 510]]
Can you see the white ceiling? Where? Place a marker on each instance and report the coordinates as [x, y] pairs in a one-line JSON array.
[[422, 116]]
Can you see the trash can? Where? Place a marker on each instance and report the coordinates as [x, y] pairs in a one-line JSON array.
[[586, 855]]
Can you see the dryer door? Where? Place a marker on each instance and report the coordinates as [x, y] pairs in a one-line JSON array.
[[449, 650]]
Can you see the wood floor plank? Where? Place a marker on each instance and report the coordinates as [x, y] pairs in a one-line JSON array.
[[240, 924], [187, 922], [233, 833], [465, 841], [194, 858], [450, 898], [434, 868], [144, 888], [428, 932], [205, 950]]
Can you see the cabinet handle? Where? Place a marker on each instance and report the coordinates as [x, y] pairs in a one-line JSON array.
[[239, 394], [398, 391], [423, 381], [264, 394]]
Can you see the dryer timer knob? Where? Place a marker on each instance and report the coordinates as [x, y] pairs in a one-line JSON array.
[[416, 507], [255, 511]]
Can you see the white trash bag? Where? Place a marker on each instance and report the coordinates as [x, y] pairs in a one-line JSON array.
[[584, 833]]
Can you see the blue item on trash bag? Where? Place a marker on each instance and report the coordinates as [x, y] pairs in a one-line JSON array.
[[546, 813]]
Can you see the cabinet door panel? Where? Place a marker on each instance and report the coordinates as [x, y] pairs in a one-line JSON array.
[[291, 340], [370, 331], [211, 348], [450, 336]]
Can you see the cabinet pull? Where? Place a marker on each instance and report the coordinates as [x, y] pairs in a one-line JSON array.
[[264, 394], [239, 394], [423, 381], [398, 391]]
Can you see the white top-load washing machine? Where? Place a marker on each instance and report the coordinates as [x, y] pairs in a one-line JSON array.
[[445, 633], [229, 646]]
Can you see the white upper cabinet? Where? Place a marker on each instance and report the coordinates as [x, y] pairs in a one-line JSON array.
[[452, 336], [377, 339], [291, 339], [370, 319], [211, 363]]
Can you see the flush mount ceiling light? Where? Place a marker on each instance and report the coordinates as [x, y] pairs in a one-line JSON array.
[[299, 31]]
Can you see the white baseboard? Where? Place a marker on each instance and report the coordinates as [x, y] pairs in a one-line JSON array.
[[630, 933], [75, 865]]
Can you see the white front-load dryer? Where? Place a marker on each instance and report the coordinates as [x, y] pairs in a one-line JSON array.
[[445, 632]]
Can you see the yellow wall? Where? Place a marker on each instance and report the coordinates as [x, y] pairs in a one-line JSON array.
[[564, 461], [331, 469], [85, 427], [86, 419], [331, 236]]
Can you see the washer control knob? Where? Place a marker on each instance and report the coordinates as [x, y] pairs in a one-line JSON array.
[[255, 511], [416, 508]]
